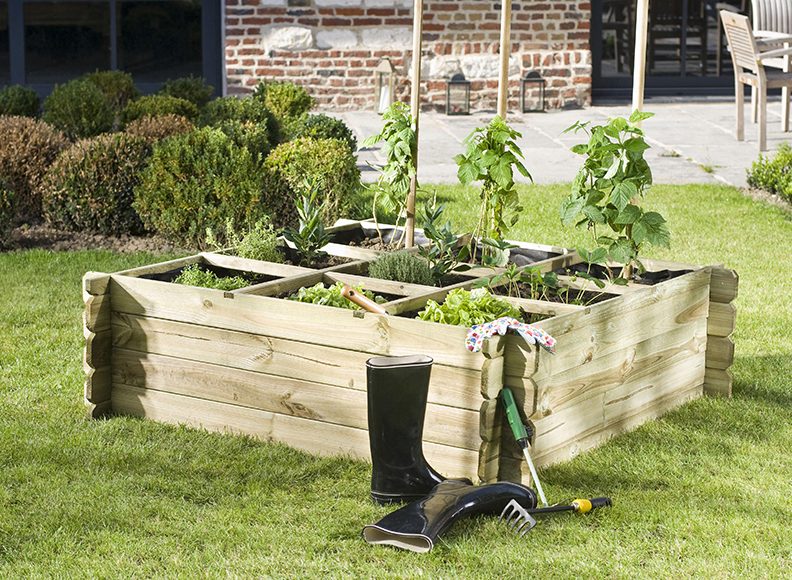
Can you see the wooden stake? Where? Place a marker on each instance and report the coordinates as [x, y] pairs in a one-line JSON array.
[[415, 103], [639, 62], [505, 53]]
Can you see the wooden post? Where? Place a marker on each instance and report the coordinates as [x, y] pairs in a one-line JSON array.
[[505, 53], [415, 105], [639, 63]]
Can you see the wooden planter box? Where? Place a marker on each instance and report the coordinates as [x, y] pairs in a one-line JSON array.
[[249, 362]]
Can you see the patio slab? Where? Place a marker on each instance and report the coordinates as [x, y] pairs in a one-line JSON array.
[[692, 141]]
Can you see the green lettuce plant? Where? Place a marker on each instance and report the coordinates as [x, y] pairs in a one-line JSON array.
[[331, 296], [606, 191], [195, 276], [468, 307]]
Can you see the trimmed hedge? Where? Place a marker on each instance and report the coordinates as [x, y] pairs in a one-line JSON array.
[[193, 89], [246, 121], [117, 86], [154, 129], [91, 185], [325, 127], [6, 215], [19, 101], [27, 149], [157, 105], [199, 180], [284, 100], [79, 109], [328, 160], [773, 175]]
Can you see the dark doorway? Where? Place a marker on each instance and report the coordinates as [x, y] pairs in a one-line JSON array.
[[686, 53], [44, 42]]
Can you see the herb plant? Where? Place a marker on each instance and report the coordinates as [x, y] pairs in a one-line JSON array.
[[310, 236], [400, 144], [606, 189], [445, 254], [331, 296], [195, 276], [492, 156], [260, 242], [402, 266], [468, 307]]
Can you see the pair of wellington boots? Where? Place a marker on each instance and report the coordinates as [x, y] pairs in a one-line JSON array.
[[398, 389]]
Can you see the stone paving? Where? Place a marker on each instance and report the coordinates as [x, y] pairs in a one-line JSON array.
[[692, 141]]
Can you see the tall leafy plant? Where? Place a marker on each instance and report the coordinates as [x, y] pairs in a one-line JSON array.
[[310, 236], [492, 157], [399, 138], [606, 191]]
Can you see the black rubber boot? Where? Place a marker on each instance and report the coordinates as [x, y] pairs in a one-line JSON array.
[[417, 526], [397, 391]]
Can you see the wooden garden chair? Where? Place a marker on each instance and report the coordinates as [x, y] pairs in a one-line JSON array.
[[772, 23], [749, 69]]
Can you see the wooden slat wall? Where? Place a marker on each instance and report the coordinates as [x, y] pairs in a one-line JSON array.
[[721, 324], [97, 353], [619, 364]]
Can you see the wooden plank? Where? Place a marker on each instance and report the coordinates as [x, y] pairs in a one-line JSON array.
[[589, 286], [98, 384], [609, 326], [96, 316], [352, 252], [323, 325], [255, 266], [411, 303], [98, 347], [450, 385], [162, 267], [718, 382], [544, 307], [720, 353], [724, 285], [722, 319], [490, 420], [606, 372], [312, 400], [489, 462], [589, 422], [294, 283], [98, 410], [95, 283], [304, 434], [377, 285], [492, 377]]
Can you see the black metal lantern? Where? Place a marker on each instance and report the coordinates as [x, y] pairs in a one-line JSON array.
[[532, 88], [386, 84], [458, 95]]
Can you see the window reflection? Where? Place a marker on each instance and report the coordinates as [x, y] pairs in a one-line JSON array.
[[159, 39], [684, 37], [64, 39], [5, 74]]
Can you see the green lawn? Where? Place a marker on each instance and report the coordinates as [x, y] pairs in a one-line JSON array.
[[703, 492]]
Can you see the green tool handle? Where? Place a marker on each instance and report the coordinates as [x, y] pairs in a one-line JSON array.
[[513, 416]]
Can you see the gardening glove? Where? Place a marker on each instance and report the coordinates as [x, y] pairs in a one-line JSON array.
[[531, 334]]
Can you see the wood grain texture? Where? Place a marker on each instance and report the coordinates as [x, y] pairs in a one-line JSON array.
[[718, 382], [322, 325], [162, 267], [720, 353], [722, 319], [334, 365], [724, 285], [310, 436], [255, 266]]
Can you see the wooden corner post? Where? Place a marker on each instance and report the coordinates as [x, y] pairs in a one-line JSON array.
[[491, 413], [415, 107], [720, 326], [98, 343]]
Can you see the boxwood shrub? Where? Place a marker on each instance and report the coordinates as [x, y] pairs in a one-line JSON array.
[[6, 215], [198, 180], [193, 89], [20, 101], [79, 109], [324, 127], [27, 149], [91, 185], [329, 161], [284, 99], [117, 86], [246, 121], [154, 129], [156, 105], [773, 174]]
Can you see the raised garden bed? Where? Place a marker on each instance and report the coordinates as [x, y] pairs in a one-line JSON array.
[[248, 361]]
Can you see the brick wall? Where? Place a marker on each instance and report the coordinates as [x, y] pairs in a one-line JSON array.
[[333, 46]]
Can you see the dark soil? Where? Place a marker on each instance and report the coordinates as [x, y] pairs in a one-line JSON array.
[[647, 278], [42, 236], [251, 277], [585, 298]]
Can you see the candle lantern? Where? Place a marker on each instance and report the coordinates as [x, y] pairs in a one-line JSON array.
[[532, 90], [458, 95], [386, 84]]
